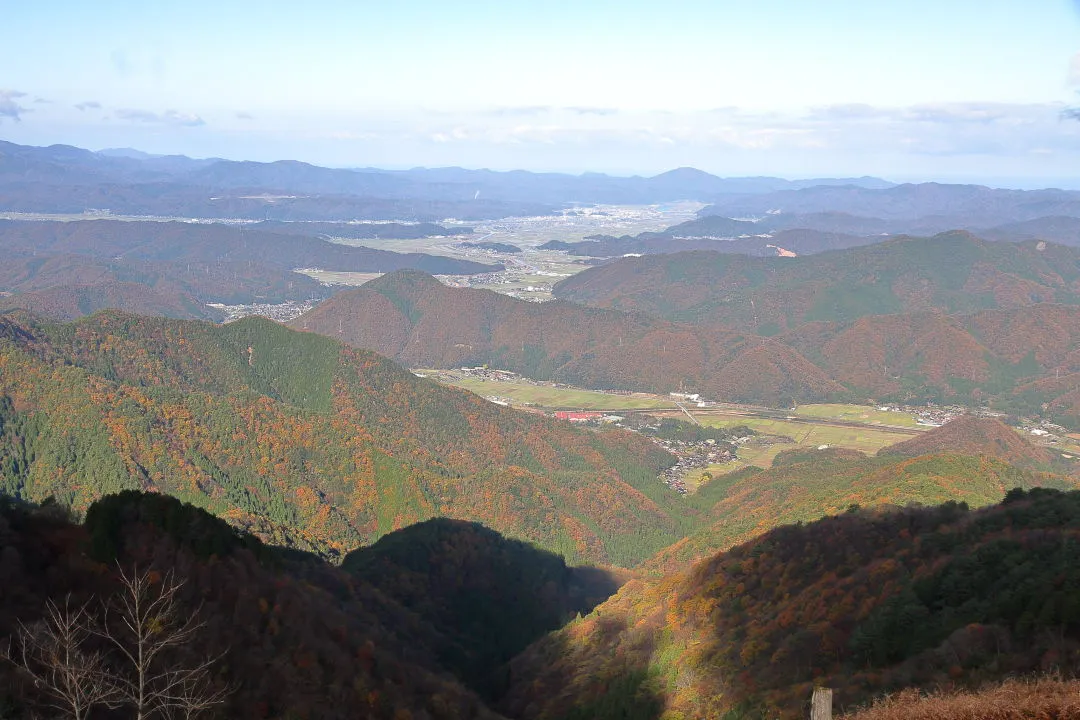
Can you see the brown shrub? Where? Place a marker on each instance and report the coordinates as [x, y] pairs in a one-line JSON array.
[[1040, 699]]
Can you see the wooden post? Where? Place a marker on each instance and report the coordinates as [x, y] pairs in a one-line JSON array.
[[821, 704]]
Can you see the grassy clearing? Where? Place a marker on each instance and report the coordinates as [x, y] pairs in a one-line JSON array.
[[855, 413], [545, 396]]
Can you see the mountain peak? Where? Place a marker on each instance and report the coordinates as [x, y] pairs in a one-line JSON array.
[[407, 279], [685, 174]]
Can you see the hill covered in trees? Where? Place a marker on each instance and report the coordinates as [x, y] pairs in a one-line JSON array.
[[864, 602], [953, 273], [308, 443], [420, 322], [724, 235], [77, 295], [970, 460], [1020, 359], [968, 435]]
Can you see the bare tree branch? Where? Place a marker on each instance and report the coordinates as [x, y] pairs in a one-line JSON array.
[[51, 653], [143, 622]]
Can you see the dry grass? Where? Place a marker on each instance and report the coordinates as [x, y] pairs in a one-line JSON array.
[[1042, 699]]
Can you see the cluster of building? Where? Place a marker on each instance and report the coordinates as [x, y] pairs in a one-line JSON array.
[[691, 456], [929, 415], [1045, 431], [483, 372], [281, 312]]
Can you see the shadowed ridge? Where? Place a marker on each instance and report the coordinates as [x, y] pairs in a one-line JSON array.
[[292, 636], [489, 594]]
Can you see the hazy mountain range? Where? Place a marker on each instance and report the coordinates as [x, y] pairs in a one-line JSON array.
[[67, 179]]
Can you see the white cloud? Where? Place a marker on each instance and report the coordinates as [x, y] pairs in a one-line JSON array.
[[9, 106], [1074, 70], [169, 117], [936, 129], [593, 110]]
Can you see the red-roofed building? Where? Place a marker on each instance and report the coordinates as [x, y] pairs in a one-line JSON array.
[[582, 416]]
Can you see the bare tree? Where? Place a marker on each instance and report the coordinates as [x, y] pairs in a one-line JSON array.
[[52, 653], [143, 623]]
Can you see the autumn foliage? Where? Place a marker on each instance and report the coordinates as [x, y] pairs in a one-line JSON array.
[[865, 603], [308, 443]]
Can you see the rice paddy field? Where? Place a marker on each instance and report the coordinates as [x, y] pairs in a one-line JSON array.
[[855, 413]]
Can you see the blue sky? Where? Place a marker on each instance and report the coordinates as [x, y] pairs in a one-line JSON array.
[[934, 89]]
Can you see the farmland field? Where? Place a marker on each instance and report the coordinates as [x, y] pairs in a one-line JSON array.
[[761, 451], [546, 396], [855, 413], [853, 427]]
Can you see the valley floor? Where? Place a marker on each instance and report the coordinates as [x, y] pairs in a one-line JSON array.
[[862, 428]]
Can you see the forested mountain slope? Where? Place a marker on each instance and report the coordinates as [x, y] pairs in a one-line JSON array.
[[953, 272], [1022, 359], [421, 323], [959, 205], [307, 442], [865, 602], [969, 435], [487, 595]]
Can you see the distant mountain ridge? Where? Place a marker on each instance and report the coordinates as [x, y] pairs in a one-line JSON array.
[[810, 233], [68, 269], [67, 179], [973, 206]]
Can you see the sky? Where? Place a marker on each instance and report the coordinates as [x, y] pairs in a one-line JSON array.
[[950, 90]]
